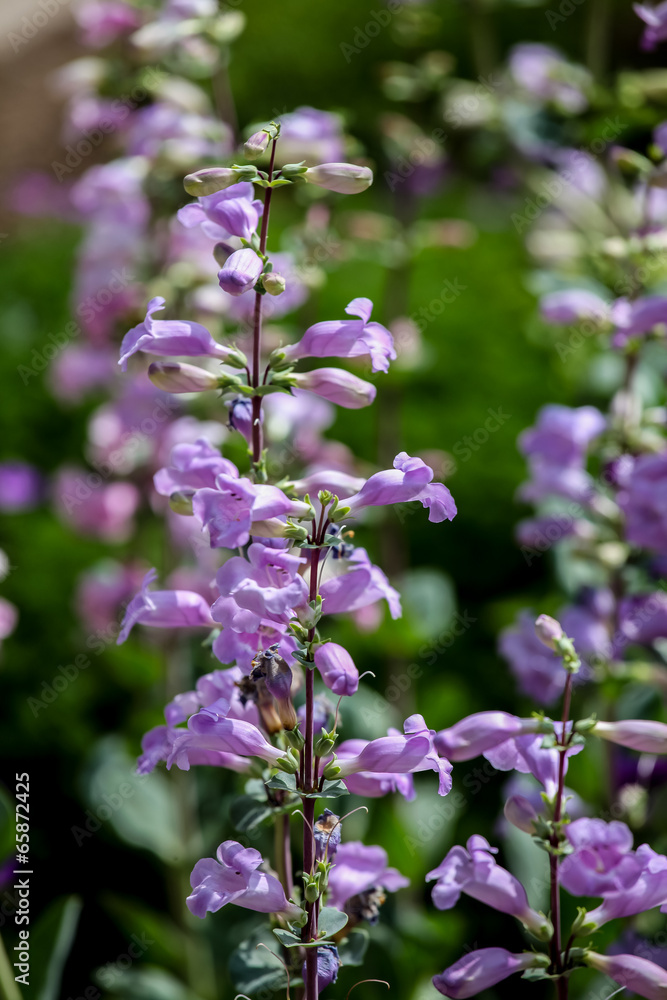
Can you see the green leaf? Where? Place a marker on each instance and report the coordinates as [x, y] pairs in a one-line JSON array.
[[331, 921], [50, 943], [331, 789], [246, 812], [283, 782], [352, 948], [149, 983], [252, 969], [286, 938], [266, 390]]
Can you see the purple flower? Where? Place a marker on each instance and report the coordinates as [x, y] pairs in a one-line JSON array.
[[632, 972], [350, 338], [478, 970], [410, 479], [359, 868], [336, 385], [642, 618], [655, 19], [479, 732], [370, 785], [232, 212], [176, 377], [20, 486], [240, 416], [170, 337], [527, 755], [570, 305], [544, 73], [165, 609], [475, 872], [235, 878], [398, 754], [337, 668], [104, 511], [643, 735], [537, 669], [358, 585], [80, 369], [228, 511], [311, 135], [328, 964], [644, 503], [240, 272], [241, 307], [193, 467], [632, 319], [647, 892], [562, 434], [602, 860], [212, 729], [265, 586], [103, 21]]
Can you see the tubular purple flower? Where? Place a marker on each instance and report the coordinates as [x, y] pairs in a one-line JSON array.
[[336, 385], [328, 964], [256, 145], [174, 376], [636, 974], [519, 811], [350, 338], [479, 732], [344, 178], [228, 511], [410, 479], [602, 860], [209, 729], [172, 338], [655, 19], [647, 892], [235, 878], [475, 872], [240, 272], [478, 970], [358, 868], [165, 609], [337, 668], [232, 212], [193, 467], [642, 735], [571, 305]]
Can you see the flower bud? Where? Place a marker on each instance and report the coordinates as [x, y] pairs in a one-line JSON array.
[[324, 744], [548, 630], [287, 764], [181, 502], [335, 384], [344, 178], [256, 145], [295, 738], [210, 180], [519, 811], [240, 272], [174, 376], [273, 283]]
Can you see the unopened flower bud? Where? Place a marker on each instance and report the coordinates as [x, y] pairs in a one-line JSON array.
[[273, 283], [181, 502], [287, 764], [174, 376], [311, 888], [240, 272], [519, 811], [256, 145], [324, 744], [548, 630], [295, 738], [344, 178], [210, 180]]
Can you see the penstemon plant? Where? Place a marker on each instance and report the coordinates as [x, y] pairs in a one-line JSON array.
[[296, 564]]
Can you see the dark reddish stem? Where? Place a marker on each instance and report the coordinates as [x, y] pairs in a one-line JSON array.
[[563, 740], [257, 324], [309, 932]]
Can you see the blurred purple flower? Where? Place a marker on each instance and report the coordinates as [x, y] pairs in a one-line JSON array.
[[572, 305], [20, 487], [655, 19], [644, 503]]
